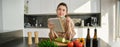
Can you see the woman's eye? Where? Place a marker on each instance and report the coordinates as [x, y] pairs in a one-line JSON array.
[[63, 9], [59, 9]]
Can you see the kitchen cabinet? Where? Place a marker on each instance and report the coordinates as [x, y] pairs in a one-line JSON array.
[[34, 6], [74, 6], [43, 6], [84, 6]]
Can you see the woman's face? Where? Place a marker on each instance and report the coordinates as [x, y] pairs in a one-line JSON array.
[[61, 11]]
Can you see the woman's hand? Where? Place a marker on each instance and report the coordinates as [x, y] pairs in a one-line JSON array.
[[68, 20], [70, 28], [50, 25]]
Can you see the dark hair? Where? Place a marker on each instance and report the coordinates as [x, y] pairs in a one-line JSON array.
[[63, 4]]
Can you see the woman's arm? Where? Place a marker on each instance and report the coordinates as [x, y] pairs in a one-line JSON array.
[[52, 34], [70, 28]]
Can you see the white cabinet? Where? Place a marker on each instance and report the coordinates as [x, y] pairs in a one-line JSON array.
[[43, 6], [74, 6], [34, 6], [84, 6]]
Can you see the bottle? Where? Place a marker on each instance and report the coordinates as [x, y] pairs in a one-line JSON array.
[[95, 41], [88, 40], [36, 25], [82, 24], [26, 7]]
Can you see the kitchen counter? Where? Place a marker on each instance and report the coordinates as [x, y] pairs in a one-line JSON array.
[[10, 35], [22, 42]]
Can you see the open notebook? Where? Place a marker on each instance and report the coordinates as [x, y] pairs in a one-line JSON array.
[[57, 24]]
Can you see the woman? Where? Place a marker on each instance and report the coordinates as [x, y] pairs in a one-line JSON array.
[[67, 23]]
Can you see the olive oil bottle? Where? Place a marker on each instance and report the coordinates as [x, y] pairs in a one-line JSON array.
[[88, 40], [95, 41]]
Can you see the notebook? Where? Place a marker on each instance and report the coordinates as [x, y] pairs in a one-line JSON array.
[[57, 24]]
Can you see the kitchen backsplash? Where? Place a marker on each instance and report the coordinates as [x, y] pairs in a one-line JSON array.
[[80, 20]]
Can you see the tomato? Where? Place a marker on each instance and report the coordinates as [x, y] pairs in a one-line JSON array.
[[70, 44], [79, 45], [77, 41]]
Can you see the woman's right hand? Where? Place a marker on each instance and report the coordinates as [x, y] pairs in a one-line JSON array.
[[50, 25]]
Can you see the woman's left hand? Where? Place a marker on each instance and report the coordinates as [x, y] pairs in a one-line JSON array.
[[68, 19], [68, 23]]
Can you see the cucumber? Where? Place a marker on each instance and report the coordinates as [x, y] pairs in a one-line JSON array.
[[66, 41], [60, 39], [63, 40]]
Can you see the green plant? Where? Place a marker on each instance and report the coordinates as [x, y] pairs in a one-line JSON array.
[[47, 43]]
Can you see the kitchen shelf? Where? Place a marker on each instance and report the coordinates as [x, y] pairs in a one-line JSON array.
[[40, 20]]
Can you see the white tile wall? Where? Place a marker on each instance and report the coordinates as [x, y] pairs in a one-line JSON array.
[[43, 32]]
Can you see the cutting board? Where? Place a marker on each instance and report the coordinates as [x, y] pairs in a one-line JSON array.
[[61, 44]]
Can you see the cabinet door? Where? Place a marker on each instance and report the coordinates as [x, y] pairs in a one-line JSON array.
[[47, 6], [84, 6], [44, 6], [33, 6], [41, 6], [74, 6]]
